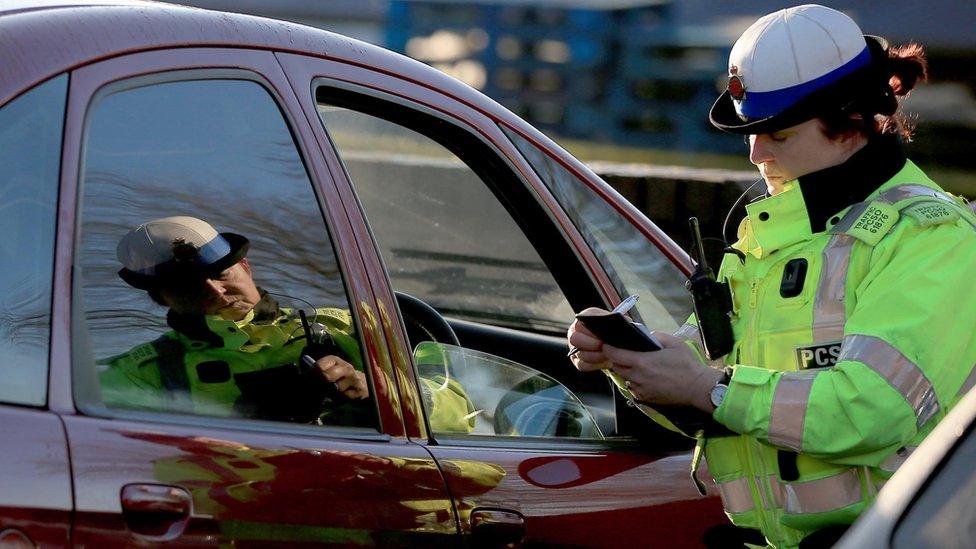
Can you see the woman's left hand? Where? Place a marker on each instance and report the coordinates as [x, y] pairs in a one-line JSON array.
[[670, 376]]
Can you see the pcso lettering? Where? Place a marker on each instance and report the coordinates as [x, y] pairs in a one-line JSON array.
[[818, 356]]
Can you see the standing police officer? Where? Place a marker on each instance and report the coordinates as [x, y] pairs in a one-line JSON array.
[[853, 310]]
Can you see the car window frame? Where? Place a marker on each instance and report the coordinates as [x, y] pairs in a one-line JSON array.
[[399, 101], [93, 82]]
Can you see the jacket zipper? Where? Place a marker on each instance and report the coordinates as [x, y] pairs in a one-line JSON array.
[[747, 451], [767, 517]]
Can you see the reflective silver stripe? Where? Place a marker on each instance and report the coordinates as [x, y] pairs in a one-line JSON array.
[[901, 192], [736, 495], [894, 461], [789, 409], [778, 494], [822, 495], [691, 333], [904, 375], [969, 383], [850, 217], [869, 486], [828, 304]]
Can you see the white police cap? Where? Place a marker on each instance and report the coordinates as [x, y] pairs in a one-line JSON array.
[[793, 65], [176, 248]]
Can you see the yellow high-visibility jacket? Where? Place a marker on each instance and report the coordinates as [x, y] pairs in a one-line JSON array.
[[834, 387]]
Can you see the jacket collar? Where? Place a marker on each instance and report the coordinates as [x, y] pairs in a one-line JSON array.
[[830, 190], [805, 205], [218, 332]]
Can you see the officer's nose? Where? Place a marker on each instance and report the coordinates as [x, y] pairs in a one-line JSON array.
[[759, 151]]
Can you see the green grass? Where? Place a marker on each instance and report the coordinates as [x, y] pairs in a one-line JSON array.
[[590, 151]]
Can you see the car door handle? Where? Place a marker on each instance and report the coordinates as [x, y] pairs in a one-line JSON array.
[[156, 511], [497, 528]]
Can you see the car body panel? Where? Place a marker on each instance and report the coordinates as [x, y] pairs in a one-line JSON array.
[[35, 479], [591, 498], [259, 487], [614, 491]]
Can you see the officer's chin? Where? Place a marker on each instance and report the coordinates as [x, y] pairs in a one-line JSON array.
[[774, 183]]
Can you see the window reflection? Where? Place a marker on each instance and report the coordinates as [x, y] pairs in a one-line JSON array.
[[507, 398], [30, 157]]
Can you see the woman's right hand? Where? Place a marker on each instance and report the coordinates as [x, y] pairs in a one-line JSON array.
[[590, 355]]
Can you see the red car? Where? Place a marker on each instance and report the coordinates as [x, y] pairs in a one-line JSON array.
[[367, 182]]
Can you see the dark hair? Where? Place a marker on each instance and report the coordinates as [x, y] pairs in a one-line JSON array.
[[877, 111]]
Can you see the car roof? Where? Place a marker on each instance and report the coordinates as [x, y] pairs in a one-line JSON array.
[[28, 5], [53, 36]]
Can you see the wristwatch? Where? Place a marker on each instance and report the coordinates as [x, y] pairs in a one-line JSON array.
[[717, 394]]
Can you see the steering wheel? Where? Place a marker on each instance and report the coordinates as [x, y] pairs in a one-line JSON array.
[[542, 407], [423, 322]]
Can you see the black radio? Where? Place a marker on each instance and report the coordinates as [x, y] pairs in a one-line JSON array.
[[712, 300]]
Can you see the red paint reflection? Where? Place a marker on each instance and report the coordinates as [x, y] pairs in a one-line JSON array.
[[338, 489]]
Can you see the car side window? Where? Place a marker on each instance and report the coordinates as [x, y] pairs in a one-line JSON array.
[[446, 220], [221, 152], [30, 157]]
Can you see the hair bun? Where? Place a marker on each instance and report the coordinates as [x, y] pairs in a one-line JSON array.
[[907, 66]]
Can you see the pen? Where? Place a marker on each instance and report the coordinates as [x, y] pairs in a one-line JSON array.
[[622, 308]]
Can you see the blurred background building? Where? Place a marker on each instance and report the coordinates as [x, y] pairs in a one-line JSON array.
[[638, 72]]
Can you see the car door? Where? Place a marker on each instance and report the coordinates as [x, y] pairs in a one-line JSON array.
[[35, 482], [503, 242], [217, 134]]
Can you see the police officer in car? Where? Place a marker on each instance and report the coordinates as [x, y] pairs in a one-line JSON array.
[[851, 283], [232, 350]]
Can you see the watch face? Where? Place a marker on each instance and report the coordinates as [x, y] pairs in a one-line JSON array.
[[718, 394]]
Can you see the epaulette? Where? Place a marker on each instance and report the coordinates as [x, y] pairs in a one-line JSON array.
[[928, 206], [133, 357], [927, 212], [337, 318], [332, 317], [870, 221]]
